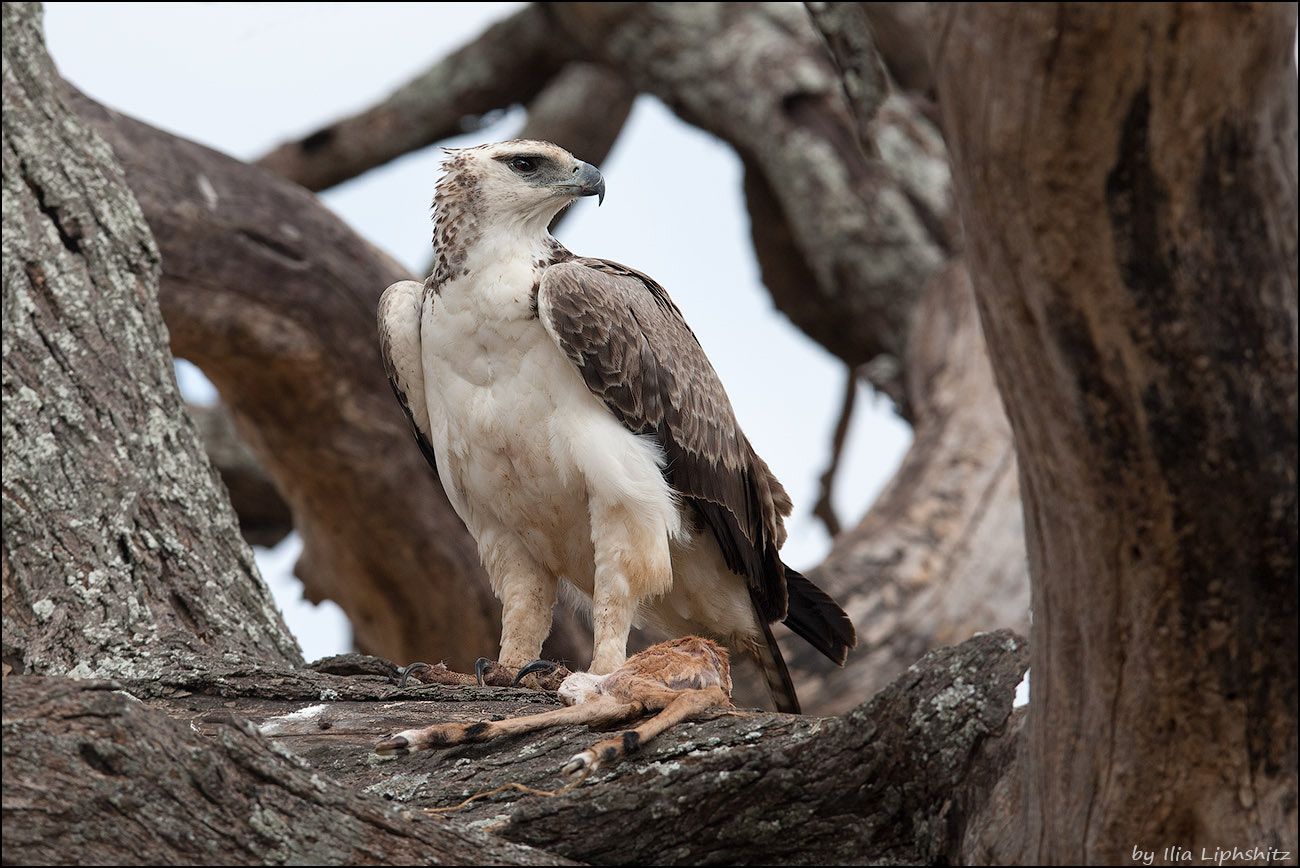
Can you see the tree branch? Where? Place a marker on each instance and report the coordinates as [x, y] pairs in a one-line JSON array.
[[737, 788], [509, 63]]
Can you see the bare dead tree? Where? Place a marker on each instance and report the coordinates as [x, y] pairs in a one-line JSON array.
[[1141, 289]]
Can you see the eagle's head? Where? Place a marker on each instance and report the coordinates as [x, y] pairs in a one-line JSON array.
[[520, 185], [502, 197]]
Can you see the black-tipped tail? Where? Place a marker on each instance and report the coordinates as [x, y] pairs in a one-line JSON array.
[[817, 618]]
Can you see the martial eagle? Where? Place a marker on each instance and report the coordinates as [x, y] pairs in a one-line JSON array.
[[581, 433]]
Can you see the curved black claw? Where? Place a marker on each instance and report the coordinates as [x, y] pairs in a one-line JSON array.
[[536, 666], [481, 666], [408, 670]]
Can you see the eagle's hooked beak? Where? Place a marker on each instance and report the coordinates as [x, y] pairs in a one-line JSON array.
[[586, 181]]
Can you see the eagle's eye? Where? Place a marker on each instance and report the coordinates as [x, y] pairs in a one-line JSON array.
[[524, 165]]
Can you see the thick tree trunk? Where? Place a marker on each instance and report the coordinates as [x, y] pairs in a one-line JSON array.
[[121, 554], [1127, 176]]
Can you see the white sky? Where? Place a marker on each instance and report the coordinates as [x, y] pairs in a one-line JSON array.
[[243, 77]]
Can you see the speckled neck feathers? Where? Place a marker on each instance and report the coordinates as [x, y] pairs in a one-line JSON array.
[[473, 222], [456, 218]]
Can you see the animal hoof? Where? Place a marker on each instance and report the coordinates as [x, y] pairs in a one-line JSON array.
[[582, 764]]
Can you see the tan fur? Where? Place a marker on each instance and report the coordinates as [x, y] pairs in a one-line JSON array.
[[680, 679]]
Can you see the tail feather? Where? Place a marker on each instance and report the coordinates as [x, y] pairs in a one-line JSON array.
[[818, 619], [776, 672]]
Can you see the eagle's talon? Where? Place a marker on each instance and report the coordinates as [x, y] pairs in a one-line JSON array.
[[546, 666], [481, 666], [407, 671]]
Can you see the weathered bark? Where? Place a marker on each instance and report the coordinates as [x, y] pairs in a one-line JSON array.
[[885, 783], [1139, 302], [82, 763], [121, 555]]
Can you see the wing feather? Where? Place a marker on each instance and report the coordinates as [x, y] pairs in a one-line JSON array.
[[636, 353], [399, 314]]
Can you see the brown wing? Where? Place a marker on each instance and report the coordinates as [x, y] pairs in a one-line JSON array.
[[636, 353]]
